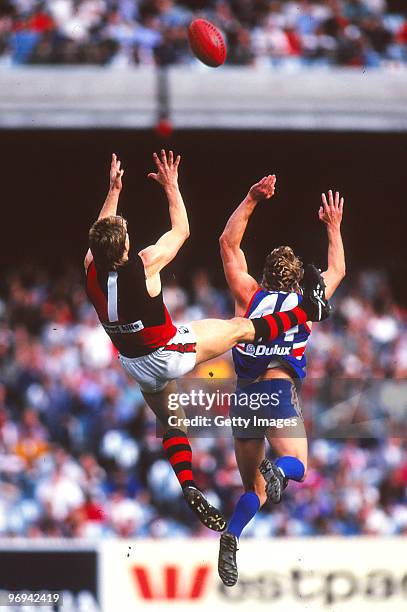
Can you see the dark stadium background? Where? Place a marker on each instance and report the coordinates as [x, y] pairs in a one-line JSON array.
[[54, 182]]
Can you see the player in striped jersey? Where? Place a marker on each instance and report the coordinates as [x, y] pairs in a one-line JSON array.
[[125, 289], [273, 368]]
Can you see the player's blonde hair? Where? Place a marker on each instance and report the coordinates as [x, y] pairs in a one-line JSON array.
[[107, 241], [283, 270]]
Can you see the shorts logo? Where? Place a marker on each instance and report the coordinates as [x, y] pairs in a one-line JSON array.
[[183, 330], [188, 347]]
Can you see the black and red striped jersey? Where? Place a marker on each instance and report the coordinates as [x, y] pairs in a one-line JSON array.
[[136, 323]]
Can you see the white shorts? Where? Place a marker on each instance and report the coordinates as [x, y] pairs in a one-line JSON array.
[[154, 371]]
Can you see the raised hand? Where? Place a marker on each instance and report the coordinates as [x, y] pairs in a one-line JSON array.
[[116, 173], [167, 169], [331, 210], [264, 189]]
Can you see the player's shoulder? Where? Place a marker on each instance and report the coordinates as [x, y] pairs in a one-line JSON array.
[[281, 295], [277, 300], [132, 269]]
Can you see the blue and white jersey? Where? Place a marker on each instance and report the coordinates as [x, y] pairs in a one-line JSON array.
[[252, 360]]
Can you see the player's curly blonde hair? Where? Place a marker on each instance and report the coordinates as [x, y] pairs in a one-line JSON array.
[[283, 270]]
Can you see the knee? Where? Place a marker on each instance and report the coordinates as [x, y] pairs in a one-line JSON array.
[[168, 429], [304, 462], [298, 458]]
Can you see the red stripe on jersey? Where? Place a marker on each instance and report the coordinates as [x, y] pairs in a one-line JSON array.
[[157, 336], [298, 352], [95, 293]]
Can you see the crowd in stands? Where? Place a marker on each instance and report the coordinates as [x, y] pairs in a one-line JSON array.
[[258, 32], [79, 454]]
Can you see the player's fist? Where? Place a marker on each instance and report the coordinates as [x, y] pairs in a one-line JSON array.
[[264, 189], [331, 210]]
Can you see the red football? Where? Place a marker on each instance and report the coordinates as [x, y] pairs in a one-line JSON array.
[[207, 42]]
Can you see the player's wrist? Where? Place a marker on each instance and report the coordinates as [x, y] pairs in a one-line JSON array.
[[251, 200], [171, 187], [333, 228]]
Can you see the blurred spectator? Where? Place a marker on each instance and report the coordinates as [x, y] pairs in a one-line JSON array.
[[79, 452], [277, 32]]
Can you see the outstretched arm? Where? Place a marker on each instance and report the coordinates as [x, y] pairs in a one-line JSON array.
[[158, 255], [109, 207], [112, 199], [241, 284], [331, 213]]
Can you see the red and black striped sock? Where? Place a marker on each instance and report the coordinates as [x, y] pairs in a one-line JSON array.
[[270, 326], [179, 454]]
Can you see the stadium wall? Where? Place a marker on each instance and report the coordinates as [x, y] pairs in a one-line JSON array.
[[319, 574], [237, 98]]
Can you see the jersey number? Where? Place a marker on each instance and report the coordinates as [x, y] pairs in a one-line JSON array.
[[289, 335]]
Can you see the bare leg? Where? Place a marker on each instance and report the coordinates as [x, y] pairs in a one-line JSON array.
[[290, 441], [159, 404], [215, 336], [249, 455]]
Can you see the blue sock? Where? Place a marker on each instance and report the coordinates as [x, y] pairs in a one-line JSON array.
[[246, 508], [292, 468]]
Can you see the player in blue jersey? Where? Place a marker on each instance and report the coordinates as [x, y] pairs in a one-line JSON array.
[[270, 370]]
